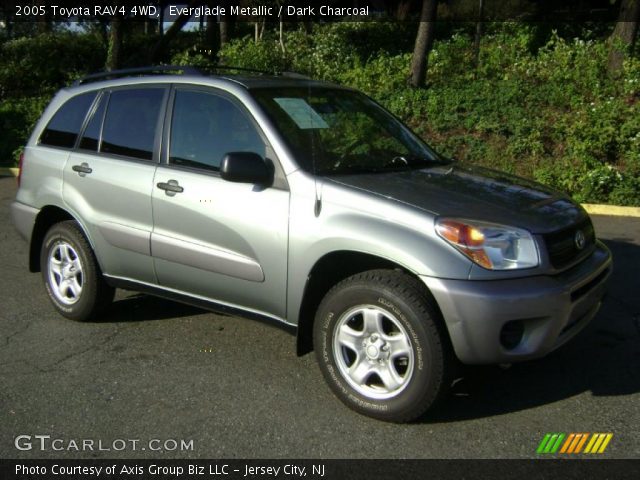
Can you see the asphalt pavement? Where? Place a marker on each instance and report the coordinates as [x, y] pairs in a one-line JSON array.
[[158, 374]]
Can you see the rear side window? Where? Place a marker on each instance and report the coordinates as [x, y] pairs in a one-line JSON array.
[[130, 123], [63, 128]]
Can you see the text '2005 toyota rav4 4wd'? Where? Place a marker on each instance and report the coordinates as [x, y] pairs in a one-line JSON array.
[[305, 203]]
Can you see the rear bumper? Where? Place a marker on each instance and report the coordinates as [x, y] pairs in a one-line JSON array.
[[23, 218], [550, 310]]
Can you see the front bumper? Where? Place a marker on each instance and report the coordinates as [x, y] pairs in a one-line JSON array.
[[551, 310]]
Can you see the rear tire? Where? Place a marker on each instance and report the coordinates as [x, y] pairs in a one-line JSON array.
[[71, 274], [381, 347]]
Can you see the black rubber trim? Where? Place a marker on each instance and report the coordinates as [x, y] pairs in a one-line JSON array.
[[199, 303]]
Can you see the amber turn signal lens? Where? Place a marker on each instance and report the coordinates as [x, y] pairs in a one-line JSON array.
[[461, 234], [492, 246], [468, 239]]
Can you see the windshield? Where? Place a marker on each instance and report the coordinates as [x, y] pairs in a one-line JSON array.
[[333, 131]]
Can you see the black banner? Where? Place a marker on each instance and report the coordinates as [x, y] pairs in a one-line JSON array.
[[320, 469], [315, 10]]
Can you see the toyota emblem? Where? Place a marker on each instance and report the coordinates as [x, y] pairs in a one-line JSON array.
[[580, 240]]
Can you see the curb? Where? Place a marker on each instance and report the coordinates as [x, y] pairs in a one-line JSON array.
[[592, 209], [613, 210], [8, 172]]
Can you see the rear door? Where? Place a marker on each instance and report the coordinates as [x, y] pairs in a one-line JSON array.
[[212, 238], [108, 179]]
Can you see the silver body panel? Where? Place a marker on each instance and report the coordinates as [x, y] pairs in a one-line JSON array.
[[549, 307], [23, 218], [113, 203], [254, 248], [222, 240]]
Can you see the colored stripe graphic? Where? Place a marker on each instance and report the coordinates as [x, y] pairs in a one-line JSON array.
[[598, 443], [550, 443], [583, 439], [591, 442], [567, 443], [605, 443], [573, 443], [543, 443], [556, 446]]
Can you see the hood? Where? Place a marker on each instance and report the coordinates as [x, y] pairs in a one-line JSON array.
[[473, 193]]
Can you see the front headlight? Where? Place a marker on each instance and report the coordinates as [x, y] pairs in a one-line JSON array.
[[496, 247]]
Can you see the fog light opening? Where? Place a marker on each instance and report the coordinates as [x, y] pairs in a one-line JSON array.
[[511, 334]]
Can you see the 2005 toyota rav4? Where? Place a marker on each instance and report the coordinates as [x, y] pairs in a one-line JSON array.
[[305, 203]]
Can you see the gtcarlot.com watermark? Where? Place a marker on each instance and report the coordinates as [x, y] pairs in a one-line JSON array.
[[47, 443]]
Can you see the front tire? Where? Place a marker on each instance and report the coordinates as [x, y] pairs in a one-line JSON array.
[[71, 274], [380, 346]]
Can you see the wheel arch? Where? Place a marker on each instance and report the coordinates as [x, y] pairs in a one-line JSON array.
[[46, 218], [329, 270]]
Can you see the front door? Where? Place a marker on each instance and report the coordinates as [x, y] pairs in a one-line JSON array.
[[216, 239]]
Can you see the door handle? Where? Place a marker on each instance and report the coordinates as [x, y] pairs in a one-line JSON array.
[[170, 188], [82, 169]]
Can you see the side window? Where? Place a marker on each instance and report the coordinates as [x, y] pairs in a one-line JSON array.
[[91, 135], [65, 125], [205, 127], [130, 123]]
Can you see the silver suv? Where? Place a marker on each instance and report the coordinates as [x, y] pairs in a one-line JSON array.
[[307, 204]]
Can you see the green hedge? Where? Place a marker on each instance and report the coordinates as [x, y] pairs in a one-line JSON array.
[[549, 113], [540, 105], [17, 118], [31, 70]]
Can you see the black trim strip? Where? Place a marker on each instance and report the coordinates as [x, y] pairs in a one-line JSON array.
[[210, 305]]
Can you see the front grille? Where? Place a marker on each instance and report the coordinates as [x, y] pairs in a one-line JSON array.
[[561, 245]]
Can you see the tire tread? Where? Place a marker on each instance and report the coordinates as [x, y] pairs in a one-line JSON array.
[[416, 295], [103, 293]]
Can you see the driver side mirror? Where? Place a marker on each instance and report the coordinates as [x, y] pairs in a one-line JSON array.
[[246, 167]]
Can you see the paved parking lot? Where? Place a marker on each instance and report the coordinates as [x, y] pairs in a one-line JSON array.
[[157, 370]]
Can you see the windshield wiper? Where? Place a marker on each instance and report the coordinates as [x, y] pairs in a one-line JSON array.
[[399, 163], [357, 169], [415, 161], [351, 169]]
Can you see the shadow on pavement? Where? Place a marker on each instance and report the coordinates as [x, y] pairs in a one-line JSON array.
[[140, 307], [602, 360]]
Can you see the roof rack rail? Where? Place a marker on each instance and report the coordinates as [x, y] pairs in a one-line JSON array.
[[242, 69], [278, 73], [137, 71], [295, 75], [186, 69]]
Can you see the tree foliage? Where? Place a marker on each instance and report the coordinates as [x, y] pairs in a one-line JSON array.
[[540, 102]]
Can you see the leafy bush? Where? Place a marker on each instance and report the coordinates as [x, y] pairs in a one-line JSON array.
[[540, 103], [31, 70], [30, 65], [263, 55], [553, 115], [17, 119]]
